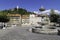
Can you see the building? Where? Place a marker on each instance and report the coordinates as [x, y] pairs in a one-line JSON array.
[[25, 20], [14, 19], [34, 19]]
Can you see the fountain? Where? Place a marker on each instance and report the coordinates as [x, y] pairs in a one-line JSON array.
[[45, 27]]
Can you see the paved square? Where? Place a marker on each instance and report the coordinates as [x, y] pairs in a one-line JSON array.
[[21, 33]]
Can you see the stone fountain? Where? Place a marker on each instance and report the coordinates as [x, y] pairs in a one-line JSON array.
[[45, 27]]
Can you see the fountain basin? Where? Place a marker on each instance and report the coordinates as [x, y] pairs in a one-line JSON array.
[[45, 31]]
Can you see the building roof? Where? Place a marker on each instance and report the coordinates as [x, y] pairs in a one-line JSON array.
[[13, 14], [25, 16]]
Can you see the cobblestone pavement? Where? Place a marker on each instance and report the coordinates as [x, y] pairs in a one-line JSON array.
[[21, 33]]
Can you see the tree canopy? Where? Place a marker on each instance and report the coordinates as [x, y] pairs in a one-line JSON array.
[[3, 16], [19, 11], [53, 16], [4, 19]]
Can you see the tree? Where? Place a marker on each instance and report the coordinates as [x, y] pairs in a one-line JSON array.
[[4, 19], [3, 16], [53, 16]]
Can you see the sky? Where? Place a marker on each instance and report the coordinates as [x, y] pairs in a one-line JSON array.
[[30, 5]]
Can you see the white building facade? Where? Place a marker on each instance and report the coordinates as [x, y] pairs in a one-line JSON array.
[[34, 19]]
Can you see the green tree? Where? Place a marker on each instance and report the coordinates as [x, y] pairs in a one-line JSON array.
[[3, 16], [4, 19], [53, 16]]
